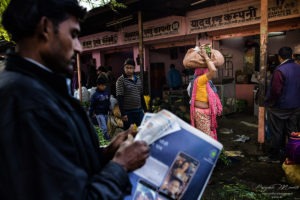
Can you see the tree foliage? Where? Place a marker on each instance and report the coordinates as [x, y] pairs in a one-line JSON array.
[[113, 4], [3, 34]]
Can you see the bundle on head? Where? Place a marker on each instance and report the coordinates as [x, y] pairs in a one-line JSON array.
[[194, 59]]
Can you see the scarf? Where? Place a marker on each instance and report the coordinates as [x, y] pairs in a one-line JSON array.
[[214, 102]]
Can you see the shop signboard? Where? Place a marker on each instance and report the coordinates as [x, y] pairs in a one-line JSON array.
[[99, 40], [241, 13], [156, 29]]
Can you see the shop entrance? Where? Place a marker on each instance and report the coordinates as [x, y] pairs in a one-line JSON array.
[[157, 80]]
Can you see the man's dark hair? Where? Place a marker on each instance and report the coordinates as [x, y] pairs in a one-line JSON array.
[[102, 69], [172, 66], [101, 80], [22, 16], [129, 61], [285, 52]]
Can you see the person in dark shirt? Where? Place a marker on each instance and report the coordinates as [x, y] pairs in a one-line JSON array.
[[49, 149], [129, 91], [174, 78], [283, 105], [91, 74], [99, 106], [111, 81]]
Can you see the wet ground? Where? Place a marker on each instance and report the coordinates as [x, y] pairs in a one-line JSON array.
[[244, 176]]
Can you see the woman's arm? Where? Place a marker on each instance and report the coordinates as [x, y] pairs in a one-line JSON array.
[[211, 66]]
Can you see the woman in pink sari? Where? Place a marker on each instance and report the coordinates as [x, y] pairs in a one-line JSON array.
[[205, 103]]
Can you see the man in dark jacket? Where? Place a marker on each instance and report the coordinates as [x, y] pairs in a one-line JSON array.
[[48, 148], [283, 102]]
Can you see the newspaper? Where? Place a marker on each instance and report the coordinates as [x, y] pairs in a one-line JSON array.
[[181, 160], [156, 126]]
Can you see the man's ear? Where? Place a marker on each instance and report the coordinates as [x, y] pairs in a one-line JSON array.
[[44, 28]]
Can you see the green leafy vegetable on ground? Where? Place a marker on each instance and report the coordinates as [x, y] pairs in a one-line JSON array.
[[102, 141]]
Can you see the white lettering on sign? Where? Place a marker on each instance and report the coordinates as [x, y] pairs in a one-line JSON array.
[[226, 19], [155, 31], [100, 41], [240, 15]]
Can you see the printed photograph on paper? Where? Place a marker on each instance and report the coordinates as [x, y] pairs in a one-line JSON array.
[[179, 176]]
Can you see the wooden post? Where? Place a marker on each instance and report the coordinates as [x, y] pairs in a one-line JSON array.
[[263, 68], [141, 50], [79, 78]]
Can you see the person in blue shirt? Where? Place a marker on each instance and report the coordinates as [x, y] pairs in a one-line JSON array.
[[99, 106], [174, 78]]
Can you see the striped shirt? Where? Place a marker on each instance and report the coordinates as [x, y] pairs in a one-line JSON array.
[[131, 90]]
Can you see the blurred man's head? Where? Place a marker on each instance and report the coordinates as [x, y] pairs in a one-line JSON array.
[[129, 66], [285, 53]]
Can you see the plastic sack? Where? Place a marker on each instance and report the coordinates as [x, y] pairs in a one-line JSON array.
[[292, 172], [85, 94], [193, 59], [293, 148]]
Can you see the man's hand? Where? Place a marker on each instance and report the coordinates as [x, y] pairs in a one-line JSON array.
[[114, 145], [132, 155]]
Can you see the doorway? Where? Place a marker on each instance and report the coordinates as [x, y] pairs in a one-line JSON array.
[[158, 79]]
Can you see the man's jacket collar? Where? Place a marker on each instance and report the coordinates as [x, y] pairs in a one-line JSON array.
[[55, 81]]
